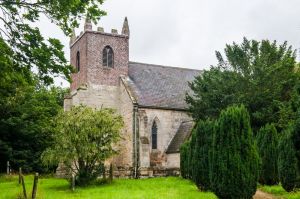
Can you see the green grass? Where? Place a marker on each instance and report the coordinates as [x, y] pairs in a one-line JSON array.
[[277, 190], [160, 188]]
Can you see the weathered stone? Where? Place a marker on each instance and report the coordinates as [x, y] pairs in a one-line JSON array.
[[114, 31], [100, 29]]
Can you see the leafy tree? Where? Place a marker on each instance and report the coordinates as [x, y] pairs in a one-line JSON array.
[[30, 48], [83, 140], [235, 160], [202, 154], [25, 127], [26, 107], [287, 162], [261, 75], [267, 141]]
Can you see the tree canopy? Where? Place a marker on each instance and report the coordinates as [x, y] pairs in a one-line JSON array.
[[28, 102], [29, 48], [262, 75], [25, 127]]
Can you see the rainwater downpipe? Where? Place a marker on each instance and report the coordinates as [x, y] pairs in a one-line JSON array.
[[135, 142]]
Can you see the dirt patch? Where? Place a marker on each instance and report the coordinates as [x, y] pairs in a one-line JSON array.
[[262, 195]]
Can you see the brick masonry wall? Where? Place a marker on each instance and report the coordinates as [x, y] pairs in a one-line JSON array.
[[91, 45], [97, 74], [80, 77]]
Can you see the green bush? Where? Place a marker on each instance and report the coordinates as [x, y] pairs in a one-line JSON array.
[[267, 141], [287, 161], [235, 159], [202, 150]]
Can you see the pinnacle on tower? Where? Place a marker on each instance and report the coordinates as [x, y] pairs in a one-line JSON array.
[[72, 37], [87, 24], [125, 29]]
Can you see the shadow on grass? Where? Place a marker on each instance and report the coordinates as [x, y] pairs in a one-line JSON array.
[[67, 187]]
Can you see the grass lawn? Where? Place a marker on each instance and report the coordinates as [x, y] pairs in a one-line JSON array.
[[277, 190], [169, 187]]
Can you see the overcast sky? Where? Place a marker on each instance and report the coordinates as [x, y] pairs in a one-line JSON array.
[[187, 33]]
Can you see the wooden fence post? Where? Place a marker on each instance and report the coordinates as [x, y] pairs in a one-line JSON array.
[[20, 174], [34, 188], [73, 182], [24, 188], [7, 168]]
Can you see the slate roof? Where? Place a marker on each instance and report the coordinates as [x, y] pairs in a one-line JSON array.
[[160, 86], [182, 134]]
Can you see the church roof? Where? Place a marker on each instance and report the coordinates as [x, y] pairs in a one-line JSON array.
[[156, 86], [182, 134]]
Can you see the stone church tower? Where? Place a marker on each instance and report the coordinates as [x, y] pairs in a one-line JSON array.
[[150, 99]]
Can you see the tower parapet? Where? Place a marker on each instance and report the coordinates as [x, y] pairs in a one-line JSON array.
[[88, 24], [98, 56], [88, 27]]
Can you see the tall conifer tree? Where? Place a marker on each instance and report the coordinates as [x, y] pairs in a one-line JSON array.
[[267, 141], [235, 160], [287, 162], [202, 151]]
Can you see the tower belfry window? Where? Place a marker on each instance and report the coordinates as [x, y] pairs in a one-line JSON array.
[[154, 135], [78, 61], [108, 57]]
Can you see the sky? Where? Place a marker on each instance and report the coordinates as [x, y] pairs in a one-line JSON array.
[[187, 33]]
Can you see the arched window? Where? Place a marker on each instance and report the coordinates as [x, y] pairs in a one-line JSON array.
[[78, 61], [154, 135], [108, 57]]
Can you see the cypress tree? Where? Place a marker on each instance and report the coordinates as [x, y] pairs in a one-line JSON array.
[[287, 161], [235, 159], [296, 140], [184, 159], [267, 142], [204, 132], [191, 160]]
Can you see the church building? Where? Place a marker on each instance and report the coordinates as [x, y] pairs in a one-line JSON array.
[[150, 98]]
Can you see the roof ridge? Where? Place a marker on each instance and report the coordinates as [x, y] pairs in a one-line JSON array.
[[164, 66]]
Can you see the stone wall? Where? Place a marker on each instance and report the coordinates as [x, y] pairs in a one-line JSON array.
[[173, 160], [155, 161], [97, 96], [125, 146]]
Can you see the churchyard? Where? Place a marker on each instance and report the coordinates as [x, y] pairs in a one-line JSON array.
[[165, 188], [154, 188], [122, 129]]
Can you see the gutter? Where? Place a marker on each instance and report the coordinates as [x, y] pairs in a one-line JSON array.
[[163, 108]]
